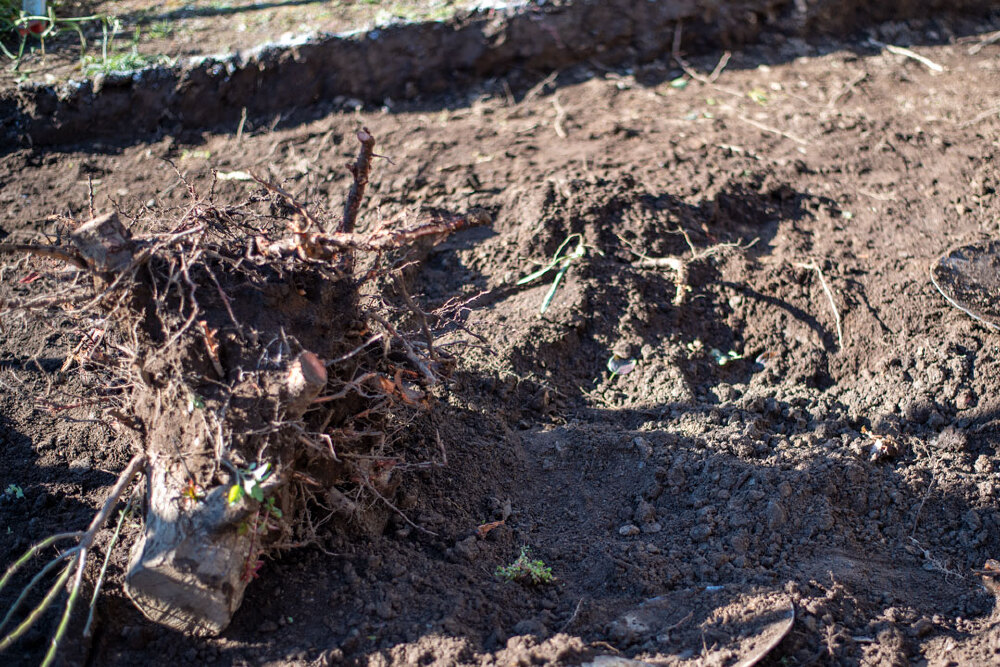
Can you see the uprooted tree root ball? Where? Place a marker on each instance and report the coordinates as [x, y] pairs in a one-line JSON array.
[[250, 350]]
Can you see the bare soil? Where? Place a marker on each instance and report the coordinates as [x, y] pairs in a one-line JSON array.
[[841, 461]]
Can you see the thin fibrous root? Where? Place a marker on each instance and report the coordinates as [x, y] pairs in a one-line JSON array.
[[77, 557], [813, 266]]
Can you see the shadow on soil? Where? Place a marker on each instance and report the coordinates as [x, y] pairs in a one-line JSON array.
[[683, 476], [298, 89]]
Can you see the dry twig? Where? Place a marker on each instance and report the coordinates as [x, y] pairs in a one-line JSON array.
[[813, 266], [991, 38], [557, 124], [51, 252], [773, 130], [907, 53], [77, 557]]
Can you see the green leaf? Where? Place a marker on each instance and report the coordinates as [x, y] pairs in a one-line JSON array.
[[552, 290], [253, 488], [679, 83], [537, 274], [235, 494], [758, 95]]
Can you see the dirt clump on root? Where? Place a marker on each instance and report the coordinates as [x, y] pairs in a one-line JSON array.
[[260, 380]]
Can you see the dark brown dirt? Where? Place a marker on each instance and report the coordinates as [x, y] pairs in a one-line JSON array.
[[680, 505]]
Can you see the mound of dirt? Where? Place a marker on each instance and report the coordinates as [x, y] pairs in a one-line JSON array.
[[745, 414]]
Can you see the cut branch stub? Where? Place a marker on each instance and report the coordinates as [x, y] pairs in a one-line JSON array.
[[193, 563], [104, 243], [360, 170], [188, 571], [306, 378]]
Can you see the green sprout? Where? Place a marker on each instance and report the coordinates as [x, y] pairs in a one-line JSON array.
[[525, 570], [560, 263], [122, 61], [723, 359], [14, 491], [248, 483]]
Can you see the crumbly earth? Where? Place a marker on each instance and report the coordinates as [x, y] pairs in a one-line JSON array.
[[808, 424]]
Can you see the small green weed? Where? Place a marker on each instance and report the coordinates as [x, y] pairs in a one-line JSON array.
[[723, 358], [560, 263], [526, 570], [248, 483], [125, 60], [14, 491], [161, 30]]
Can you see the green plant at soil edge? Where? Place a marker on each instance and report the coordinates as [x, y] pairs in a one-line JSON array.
[[525, 570], [112, 60]]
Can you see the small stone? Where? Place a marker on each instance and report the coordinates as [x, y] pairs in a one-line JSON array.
[[628, 530], [700, 532], [922, 627], [333, 656], [467, 548], [785, 489], [652, 528], [983, 464], [645, 512], [81, 464], [965, 399], [776, 515]]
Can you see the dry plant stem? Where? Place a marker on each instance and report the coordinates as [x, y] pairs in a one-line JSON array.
[[773, 130], [290, 200], [980, 117], [676, 54], [812, 266], [557, 124], [907, 53], [124, 480], [371, 487], [360, 170], [923, 501], [992, 38], [77, 565], [848, 87], [411, 354], [576, 612], [325, 246], [721, 65], [421, 315], [52, 252], [536, 90]]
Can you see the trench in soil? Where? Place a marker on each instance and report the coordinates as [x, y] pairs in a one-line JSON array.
[[678, 505]]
